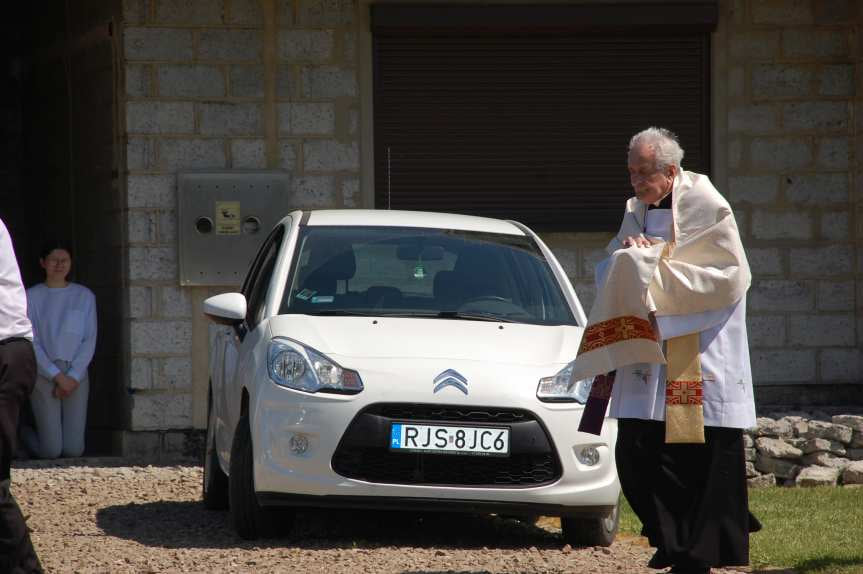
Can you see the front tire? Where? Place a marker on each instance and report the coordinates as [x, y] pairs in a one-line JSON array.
[[214, 491], [591, 531], [250, 520]]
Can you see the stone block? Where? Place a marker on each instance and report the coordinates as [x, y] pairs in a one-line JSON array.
[[750, 454], [736, 84], [140, 154], [780, 154], [161, 411], [835, 226], [141, 374], [184, 12], [349, 46], [762, 481], [833, 153], [748, 441], [825, 459], [230, 45], [777, 448], [160, 117], [776, 466], [757, 189], [783, 366], [765, 261], [735, 153], [754, 45], [158, 44], [231, 119], [781, 224], [247, 81], [141, 226], [180, 154], [248, 154], [285, 12], [167, 227], [772, 81], [821, 330], [140, 302], [834, 11], [351, 192], [822, 261], [288, 155], [313, 191], [769, 428], [854, 422], [353, 122], [818, 189], [285, 82], [320, 13], [753, 119], [840, 365], [830, 431], [590, 258], [854, 454], [750, 470], [145, 445], [161, 337], [245, 13], [330, 155], [152, 263], [766, 330], [816, 116], [818, 476], [175, 373], [814, 445], [174, 302], [325, 82], [853, 473], [134, 12], [782, 12], [586, 292], [139, 83], [782, 295], [306, 45], [191, 81], [151, 191], [836, 80], [307, 118], [814, 43], [835, 295]]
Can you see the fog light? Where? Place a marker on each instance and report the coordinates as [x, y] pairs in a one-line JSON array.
[[299, 444], [588, 456]]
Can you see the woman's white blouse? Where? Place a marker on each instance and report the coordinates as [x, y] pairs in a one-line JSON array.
[[64, 327]]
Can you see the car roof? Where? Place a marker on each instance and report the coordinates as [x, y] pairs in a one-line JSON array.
[[423, 219]]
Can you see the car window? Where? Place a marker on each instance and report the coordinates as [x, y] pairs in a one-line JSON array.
[[423, 272], [259, 280]]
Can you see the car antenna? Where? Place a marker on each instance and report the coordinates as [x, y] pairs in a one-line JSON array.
[[389, 181]]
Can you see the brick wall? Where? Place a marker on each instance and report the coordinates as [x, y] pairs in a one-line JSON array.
[[220, 84]]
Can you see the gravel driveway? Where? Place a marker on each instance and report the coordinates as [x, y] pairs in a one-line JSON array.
[[112, 515]]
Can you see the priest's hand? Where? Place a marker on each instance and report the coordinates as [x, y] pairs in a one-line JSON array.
[[638, 241]]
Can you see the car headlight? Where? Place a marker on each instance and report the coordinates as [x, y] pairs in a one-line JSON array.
[[562, 389], [296, 366]]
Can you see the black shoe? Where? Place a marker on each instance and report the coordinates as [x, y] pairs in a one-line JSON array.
[[659, 560], [689, 570]]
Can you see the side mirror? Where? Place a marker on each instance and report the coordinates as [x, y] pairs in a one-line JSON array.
[[226, 309]]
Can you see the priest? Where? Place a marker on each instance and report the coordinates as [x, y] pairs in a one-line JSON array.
[[666, 344]]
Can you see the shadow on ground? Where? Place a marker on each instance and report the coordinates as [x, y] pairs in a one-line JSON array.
[[103, 462], [188, 525]]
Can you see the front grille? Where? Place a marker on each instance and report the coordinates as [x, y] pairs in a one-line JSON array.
[[363, 452]]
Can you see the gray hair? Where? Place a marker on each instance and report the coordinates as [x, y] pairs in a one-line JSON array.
[[664, 144]]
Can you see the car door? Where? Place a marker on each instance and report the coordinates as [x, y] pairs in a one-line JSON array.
[[238, 341]]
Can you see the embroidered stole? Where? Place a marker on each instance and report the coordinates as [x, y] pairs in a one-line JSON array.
[[684, 414]]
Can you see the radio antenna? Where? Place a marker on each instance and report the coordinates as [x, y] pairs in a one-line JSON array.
[[389, 180]]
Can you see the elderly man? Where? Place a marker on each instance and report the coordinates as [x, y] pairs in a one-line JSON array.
[[17, 378], [669, 328]]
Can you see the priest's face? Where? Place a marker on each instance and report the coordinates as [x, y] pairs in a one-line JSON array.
[[650, 185]]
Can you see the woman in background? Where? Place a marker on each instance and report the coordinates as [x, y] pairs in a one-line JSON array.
[[64, 339]]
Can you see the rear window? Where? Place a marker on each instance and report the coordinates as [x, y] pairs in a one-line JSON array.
[[434, 273]]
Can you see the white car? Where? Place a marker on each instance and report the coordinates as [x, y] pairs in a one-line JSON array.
[[403, 360]]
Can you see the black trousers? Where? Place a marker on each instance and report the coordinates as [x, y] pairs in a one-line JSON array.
[[691, 498], [17, 377]]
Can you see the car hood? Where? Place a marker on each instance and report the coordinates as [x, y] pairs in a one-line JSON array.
[[420, 338]]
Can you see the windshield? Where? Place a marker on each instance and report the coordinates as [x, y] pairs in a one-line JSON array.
[[440, 273]]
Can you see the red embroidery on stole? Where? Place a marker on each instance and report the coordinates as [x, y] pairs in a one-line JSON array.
[[615, 330]]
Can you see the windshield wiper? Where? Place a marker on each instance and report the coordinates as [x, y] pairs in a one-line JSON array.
[[474, 316], [340, 313]]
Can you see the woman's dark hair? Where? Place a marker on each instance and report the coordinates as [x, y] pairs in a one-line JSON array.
[[52, 244]]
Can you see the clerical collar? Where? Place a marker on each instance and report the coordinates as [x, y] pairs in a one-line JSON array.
[[665, 203]]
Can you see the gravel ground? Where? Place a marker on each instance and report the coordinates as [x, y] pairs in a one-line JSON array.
[[115, 516]]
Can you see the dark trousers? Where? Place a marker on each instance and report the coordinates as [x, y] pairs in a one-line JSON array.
[[17, 377], [691, 498]]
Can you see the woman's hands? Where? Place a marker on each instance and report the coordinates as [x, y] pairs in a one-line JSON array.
[[64, 386]]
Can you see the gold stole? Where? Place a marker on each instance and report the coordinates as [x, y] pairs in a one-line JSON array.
[[684, 414]]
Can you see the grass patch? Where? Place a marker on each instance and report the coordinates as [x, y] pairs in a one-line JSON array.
[[809, 530]]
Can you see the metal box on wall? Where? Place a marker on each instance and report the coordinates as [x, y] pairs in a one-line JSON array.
[[222, 219]]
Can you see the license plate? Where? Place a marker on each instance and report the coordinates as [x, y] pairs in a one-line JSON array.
[[484, 441]]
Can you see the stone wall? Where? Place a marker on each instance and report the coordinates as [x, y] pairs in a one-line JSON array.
[[220, 84]]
